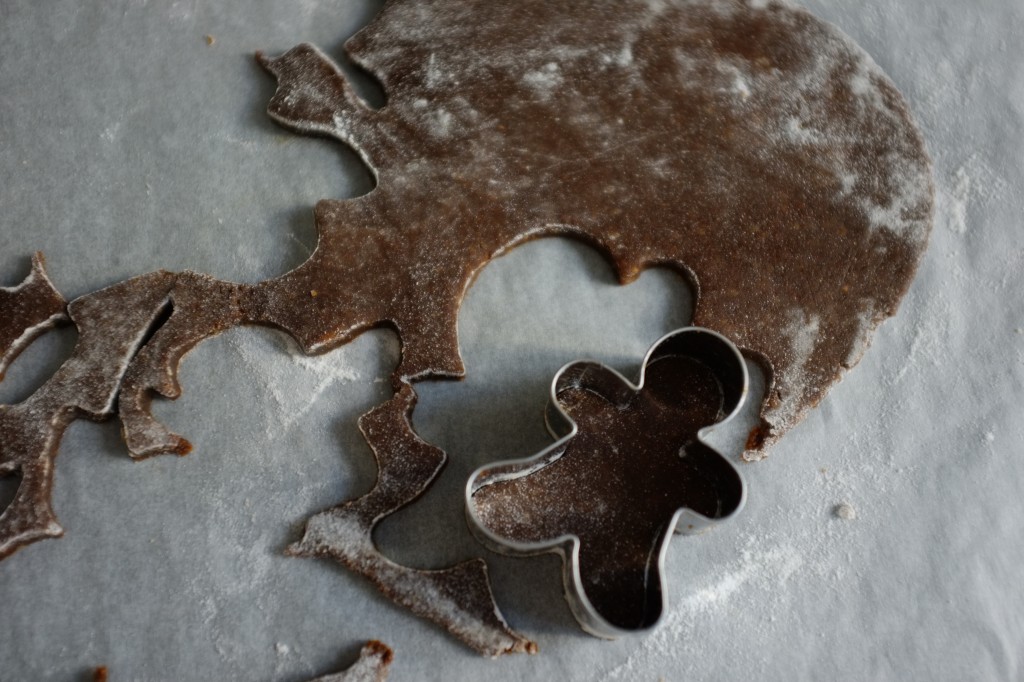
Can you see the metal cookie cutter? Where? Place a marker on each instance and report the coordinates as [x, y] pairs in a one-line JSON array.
[[629, 467]]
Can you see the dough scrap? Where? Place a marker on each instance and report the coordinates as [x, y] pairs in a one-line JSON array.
[[372, 666]]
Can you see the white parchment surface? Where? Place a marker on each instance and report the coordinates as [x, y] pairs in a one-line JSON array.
[[129, 143]]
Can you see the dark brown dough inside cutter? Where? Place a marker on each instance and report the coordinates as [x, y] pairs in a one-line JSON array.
[[616, 483]]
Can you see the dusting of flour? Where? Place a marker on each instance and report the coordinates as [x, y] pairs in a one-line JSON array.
[[297, 389]]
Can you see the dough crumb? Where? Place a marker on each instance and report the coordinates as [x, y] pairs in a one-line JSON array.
[[210, 40], [282, 649], [845, 511]]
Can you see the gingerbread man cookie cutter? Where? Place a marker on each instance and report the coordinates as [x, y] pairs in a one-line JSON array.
[[629, 467]]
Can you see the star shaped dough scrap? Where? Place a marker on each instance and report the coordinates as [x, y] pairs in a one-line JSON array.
[[608, 495]]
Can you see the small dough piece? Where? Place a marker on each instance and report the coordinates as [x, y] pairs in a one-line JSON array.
[[372, 666]]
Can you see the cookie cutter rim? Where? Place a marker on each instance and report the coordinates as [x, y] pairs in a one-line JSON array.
[[567, 546]]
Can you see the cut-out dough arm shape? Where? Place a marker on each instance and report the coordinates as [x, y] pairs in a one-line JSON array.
[[313, 97]]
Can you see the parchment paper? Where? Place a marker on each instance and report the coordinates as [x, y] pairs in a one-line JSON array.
[[128, 143]]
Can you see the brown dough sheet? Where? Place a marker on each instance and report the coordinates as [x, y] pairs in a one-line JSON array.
[[749, 146]]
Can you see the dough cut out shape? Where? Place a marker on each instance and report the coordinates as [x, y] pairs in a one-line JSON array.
[[748, 145], [632, 469]]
